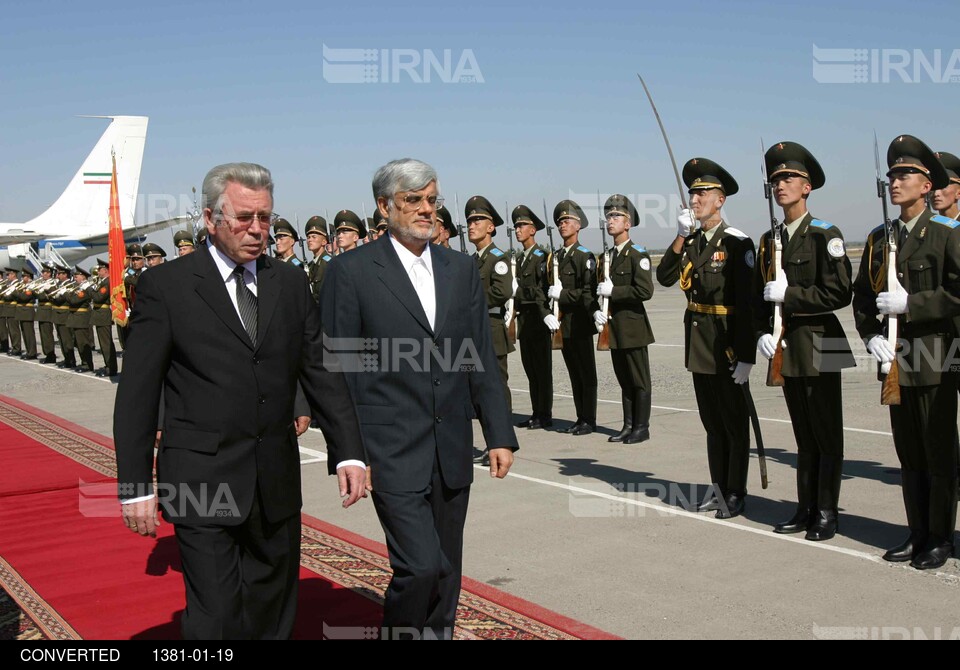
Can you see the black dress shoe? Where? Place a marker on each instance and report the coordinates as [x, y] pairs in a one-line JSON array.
[[102, 372], [906, 551], [824, 527], [14, 353], [799, 523], [710, 504], [545, 422], [526, 424], [29, 358], [571, 429], [49, 360], [735, 506], [933, 556], [584, 429]]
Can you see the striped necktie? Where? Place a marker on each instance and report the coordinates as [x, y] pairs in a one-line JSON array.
[[246, 304]]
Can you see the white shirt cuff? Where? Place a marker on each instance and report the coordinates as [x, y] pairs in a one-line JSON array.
[[130, 501], [343, 464]]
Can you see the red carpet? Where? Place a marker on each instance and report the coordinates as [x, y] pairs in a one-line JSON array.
[[69, 569]]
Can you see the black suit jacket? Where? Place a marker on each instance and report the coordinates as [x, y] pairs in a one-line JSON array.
[[228, 405], [413, 406]]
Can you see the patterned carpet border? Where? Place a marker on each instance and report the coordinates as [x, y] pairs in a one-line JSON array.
[[24, 615]]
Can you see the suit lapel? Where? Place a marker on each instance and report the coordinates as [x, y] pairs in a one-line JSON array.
[[795, 239], [621, 256], [711, 247], [916, 238], [213, 290], [268, 295], [398, 283], [441, 281]]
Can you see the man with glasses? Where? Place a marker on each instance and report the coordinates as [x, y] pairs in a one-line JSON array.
[[285, 236], [416, 416], [226, 333], [350, 230]]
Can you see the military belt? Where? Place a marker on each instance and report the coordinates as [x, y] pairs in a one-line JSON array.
[[817, 314], [82, 309], [496, 311], [716, 310]]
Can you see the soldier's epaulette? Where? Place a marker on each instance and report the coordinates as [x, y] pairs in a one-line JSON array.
[[877, 229], [326, 257], [583, 249], [496, 252], [642, 250], [942, 220], [817, 223], [739, 234], [537, 252]]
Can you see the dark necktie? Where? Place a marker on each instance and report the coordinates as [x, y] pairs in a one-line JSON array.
[[784, 237], [904, 234], [702, 243], [560, 255], [247, 305], [613, 256]]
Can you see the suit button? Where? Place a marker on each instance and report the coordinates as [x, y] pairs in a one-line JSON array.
[[256, 361], [436, 382], [261, 400], [694, 324], [439, 420]]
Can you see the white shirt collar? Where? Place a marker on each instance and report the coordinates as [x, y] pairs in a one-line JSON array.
[[225, 264], [408, 259]]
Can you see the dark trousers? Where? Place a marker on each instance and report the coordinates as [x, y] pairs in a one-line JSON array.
[[578, 355], [724, 414], [84, 340], [67, 345], [46, 338], [241, 581], [505, 380], [4, 337], [632, 369], [924, 434], [424, 532], [537, 358], [13, 329], [109, 352], [815, 405], [29, 333]]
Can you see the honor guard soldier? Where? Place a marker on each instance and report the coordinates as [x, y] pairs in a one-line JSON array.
[[130, 279], [925, 300], [350, 230], [101, 319], [285, 236], [378, 225], [79, 320], [183, 241], [445, 228], [201, 236], [4, 337], [44, 291], [61, 315], [8, 312], [535, 322], [495, 277], [714, 265], [579, 311], [316, 232], [26, 314], [628, 284], [153, 255], [814, 281]]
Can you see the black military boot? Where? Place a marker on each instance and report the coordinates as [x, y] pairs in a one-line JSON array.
[[627, 401], [642, 401], [806, 511], [826, 525], [913, 500]]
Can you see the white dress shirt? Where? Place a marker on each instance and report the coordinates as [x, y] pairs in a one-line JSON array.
[[420, 271]]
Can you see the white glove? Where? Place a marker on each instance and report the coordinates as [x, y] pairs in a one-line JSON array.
[[552, 323], [893, 302], [775, 290], [599, 318], [605, 288], [741, 375], [554, 292], [880, 349], [514, 286], [767, 345], [685, 223]]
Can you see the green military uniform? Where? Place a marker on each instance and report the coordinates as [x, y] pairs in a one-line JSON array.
[[951, 162], [578, 301], [130, 279], [45, 316], [60, 316], [715, 269], [182, 240], [317, 267], [79, 320], [8, 314], [26, 314], [4, 337], [101, 318], [350, 221], [535, 338], [815, 347], [496, 279], [924, 424], [629, 328]]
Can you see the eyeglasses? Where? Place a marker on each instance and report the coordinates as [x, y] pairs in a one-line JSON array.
[[246, 220], [412, 202]]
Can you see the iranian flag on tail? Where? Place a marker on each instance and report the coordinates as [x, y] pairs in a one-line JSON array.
[[117, 255], [98, 177]]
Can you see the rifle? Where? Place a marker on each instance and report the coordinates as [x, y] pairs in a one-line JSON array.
[[461, 232], [300, 239], [367, 223], [554, 281], [603, 342], [889, 372], [775, 369], [511, 308]]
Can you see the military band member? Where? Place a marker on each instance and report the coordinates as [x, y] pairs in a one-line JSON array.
[[101, 318], [79, 320], [495, 277], [579, 313], [285, 236], [26, 314], [627, 286], [5, 285], [714, 265], [8, 312], [815, 281], [445, 228], [61, 314], [926, 300], [153, 255], [350, 230], [316, 232], [45, 314], [183, 241], [535, 321]]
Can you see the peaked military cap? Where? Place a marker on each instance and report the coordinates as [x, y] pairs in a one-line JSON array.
[[349, 220], [201, 236], [151, 249], [620, 204], [704, 174], [790, 158], [77, 270], [568, 208], [103, 264], [480, 206], [134, 251], [523, 214], [63, 268], [48, 267], [27, 270], [908, 154], [283, 227], [952, 165], [183, 238], [316, 224], [447, 221], [379, 220]]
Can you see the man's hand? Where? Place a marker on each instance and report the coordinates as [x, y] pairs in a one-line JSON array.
[[776, 290], [141, 517], [500, 462], [893, 302], [301, 423], [353, 484], [156, 439], [605, 288], [554, 292], [552, 323], [741, 372], [880, 349], [600, 318], [767, 345], [369, 485], [685, 223]]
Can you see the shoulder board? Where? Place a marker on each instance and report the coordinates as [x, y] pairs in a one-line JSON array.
[[817, 223], [496, 252], [583, 249], [949, 223], [537, 252], [739, 234], [326, 257], [642, 250], [297, 262], [878, 229]]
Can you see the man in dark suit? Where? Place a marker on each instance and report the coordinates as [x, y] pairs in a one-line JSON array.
[[225, 334], [410, 322]]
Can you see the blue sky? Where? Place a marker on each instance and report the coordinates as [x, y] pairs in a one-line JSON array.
[[560, 110]]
